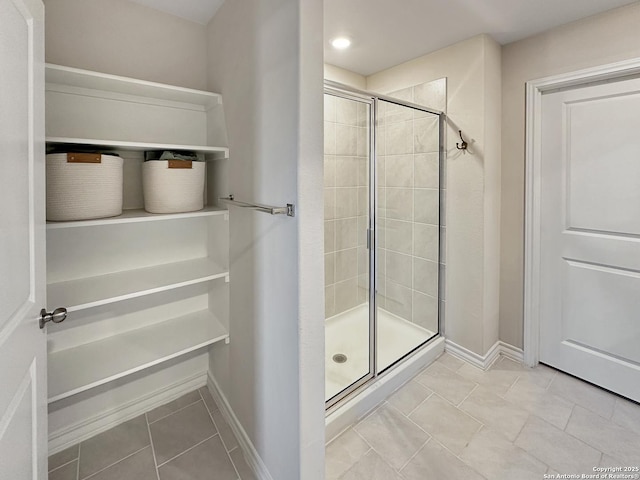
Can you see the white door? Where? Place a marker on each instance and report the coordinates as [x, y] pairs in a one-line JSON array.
[[23, 404], [590, 233]]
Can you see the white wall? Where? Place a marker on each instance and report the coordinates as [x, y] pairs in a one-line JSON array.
[[601, 39], [124, 38], [472, 69], [265, 57]]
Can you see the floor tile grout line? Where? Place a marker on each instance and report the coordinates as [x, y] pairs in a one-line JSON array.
[[477, 385], [115, 463], [64, 465], [224, 445], [174, 412], [419, 405], [511, 386], [153, 450], [458, 456], [399, 470], [187, 450]]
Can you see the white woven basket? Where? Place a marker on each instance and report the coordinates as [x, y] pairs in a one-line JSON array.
[[77, 190], [173, 190]]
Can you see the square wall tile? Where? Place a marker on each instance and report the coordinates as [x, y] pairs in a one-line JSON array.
[[399, 171], [426, 134], [399, 138], [330, 108], [346, 202], [346, 295], [363, 142], [399, 236], [425, 311], [346, 264], [329, 301], [329, 269], [426, 241], [425, 276], [398, 268], [399, 300], [426, 206], [432, 94], [399, 203], [346, 140], [329, 138], [329, 171], [329, 203], [346, 111], [329, 236], [427, 166], [346, 233], [347, 171]]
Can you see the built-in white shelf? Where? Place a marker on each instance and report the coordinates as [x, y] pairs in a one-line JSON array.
[[65, 142], [74, 77], [136, 216], [90, 292], [87, 366]]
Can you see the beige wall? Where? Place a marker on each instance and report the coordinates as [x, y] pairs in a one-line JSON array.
[[346, 77], [265, 58], [124, 38], [598, 40], [472, 69]]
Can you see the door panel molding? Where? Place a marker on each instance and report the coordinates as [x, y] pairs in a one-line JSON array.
[[533, 146]]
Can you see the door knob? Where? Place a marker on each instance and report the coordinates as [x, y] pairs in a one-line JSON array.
[[58, 315]]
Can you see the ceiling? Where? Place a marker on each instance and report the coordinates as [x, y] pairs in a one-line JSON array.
[[199, 11], [388, 32], [385, 33]]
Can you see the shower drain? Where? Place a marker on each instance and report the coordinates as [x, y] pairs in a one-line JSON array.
[[339, 358]]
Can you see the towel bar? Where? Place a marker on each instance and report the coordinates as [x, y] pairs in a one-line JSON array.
[[289, 210]]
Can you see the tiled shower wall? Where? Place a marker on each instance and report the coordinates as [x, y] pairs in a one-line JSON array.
[[346, 149], [408, 205]]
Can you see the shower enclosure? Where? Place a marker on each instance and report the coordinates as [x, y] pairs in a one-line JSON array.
[[382, 234]]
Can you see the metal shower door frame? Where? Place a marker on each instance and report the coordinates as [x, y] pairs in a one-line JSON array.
[[353, 94]]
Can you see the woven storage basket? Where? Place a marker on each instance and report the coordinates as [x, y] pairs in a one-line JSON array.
[[173, 186], [82, 186]]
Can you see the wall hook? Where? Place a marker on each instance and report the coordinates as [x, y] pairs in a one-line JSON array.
[[463, 145]]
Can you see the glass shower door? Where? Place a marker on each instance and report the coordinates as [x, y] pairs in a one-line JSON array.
[[347, 139], [408, 219]]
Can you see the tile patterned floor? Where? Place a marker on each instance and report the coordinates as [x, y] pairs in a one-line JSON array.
[[187, 439], [454, 421]]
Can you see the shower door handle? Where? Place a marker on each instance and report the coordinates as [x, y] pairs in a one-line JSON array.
[[369, 233]]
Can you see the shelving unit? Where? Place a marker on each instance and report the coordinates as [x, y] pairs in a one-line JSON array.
[[214, 153], [138, 215], [78, 369], [127, 280], [91, 292]]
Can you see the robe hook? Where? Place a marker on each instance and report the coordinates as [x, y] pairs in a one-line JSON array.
[[463, 145]]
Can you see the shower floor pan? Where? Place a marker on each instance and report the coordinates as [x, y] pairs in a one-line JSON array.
[[347, 335]]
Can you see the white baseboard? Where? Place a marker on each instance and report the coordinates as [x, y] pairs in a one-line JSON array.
[[484, 361], [78, 432], [254, 461]]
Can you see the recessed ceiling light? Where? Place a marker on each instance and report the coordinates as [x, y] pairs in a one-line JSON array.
[[341, 43]]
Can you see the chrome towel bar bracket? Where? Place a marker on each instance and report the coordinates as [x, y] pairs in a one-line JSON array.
[[289, 210]]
